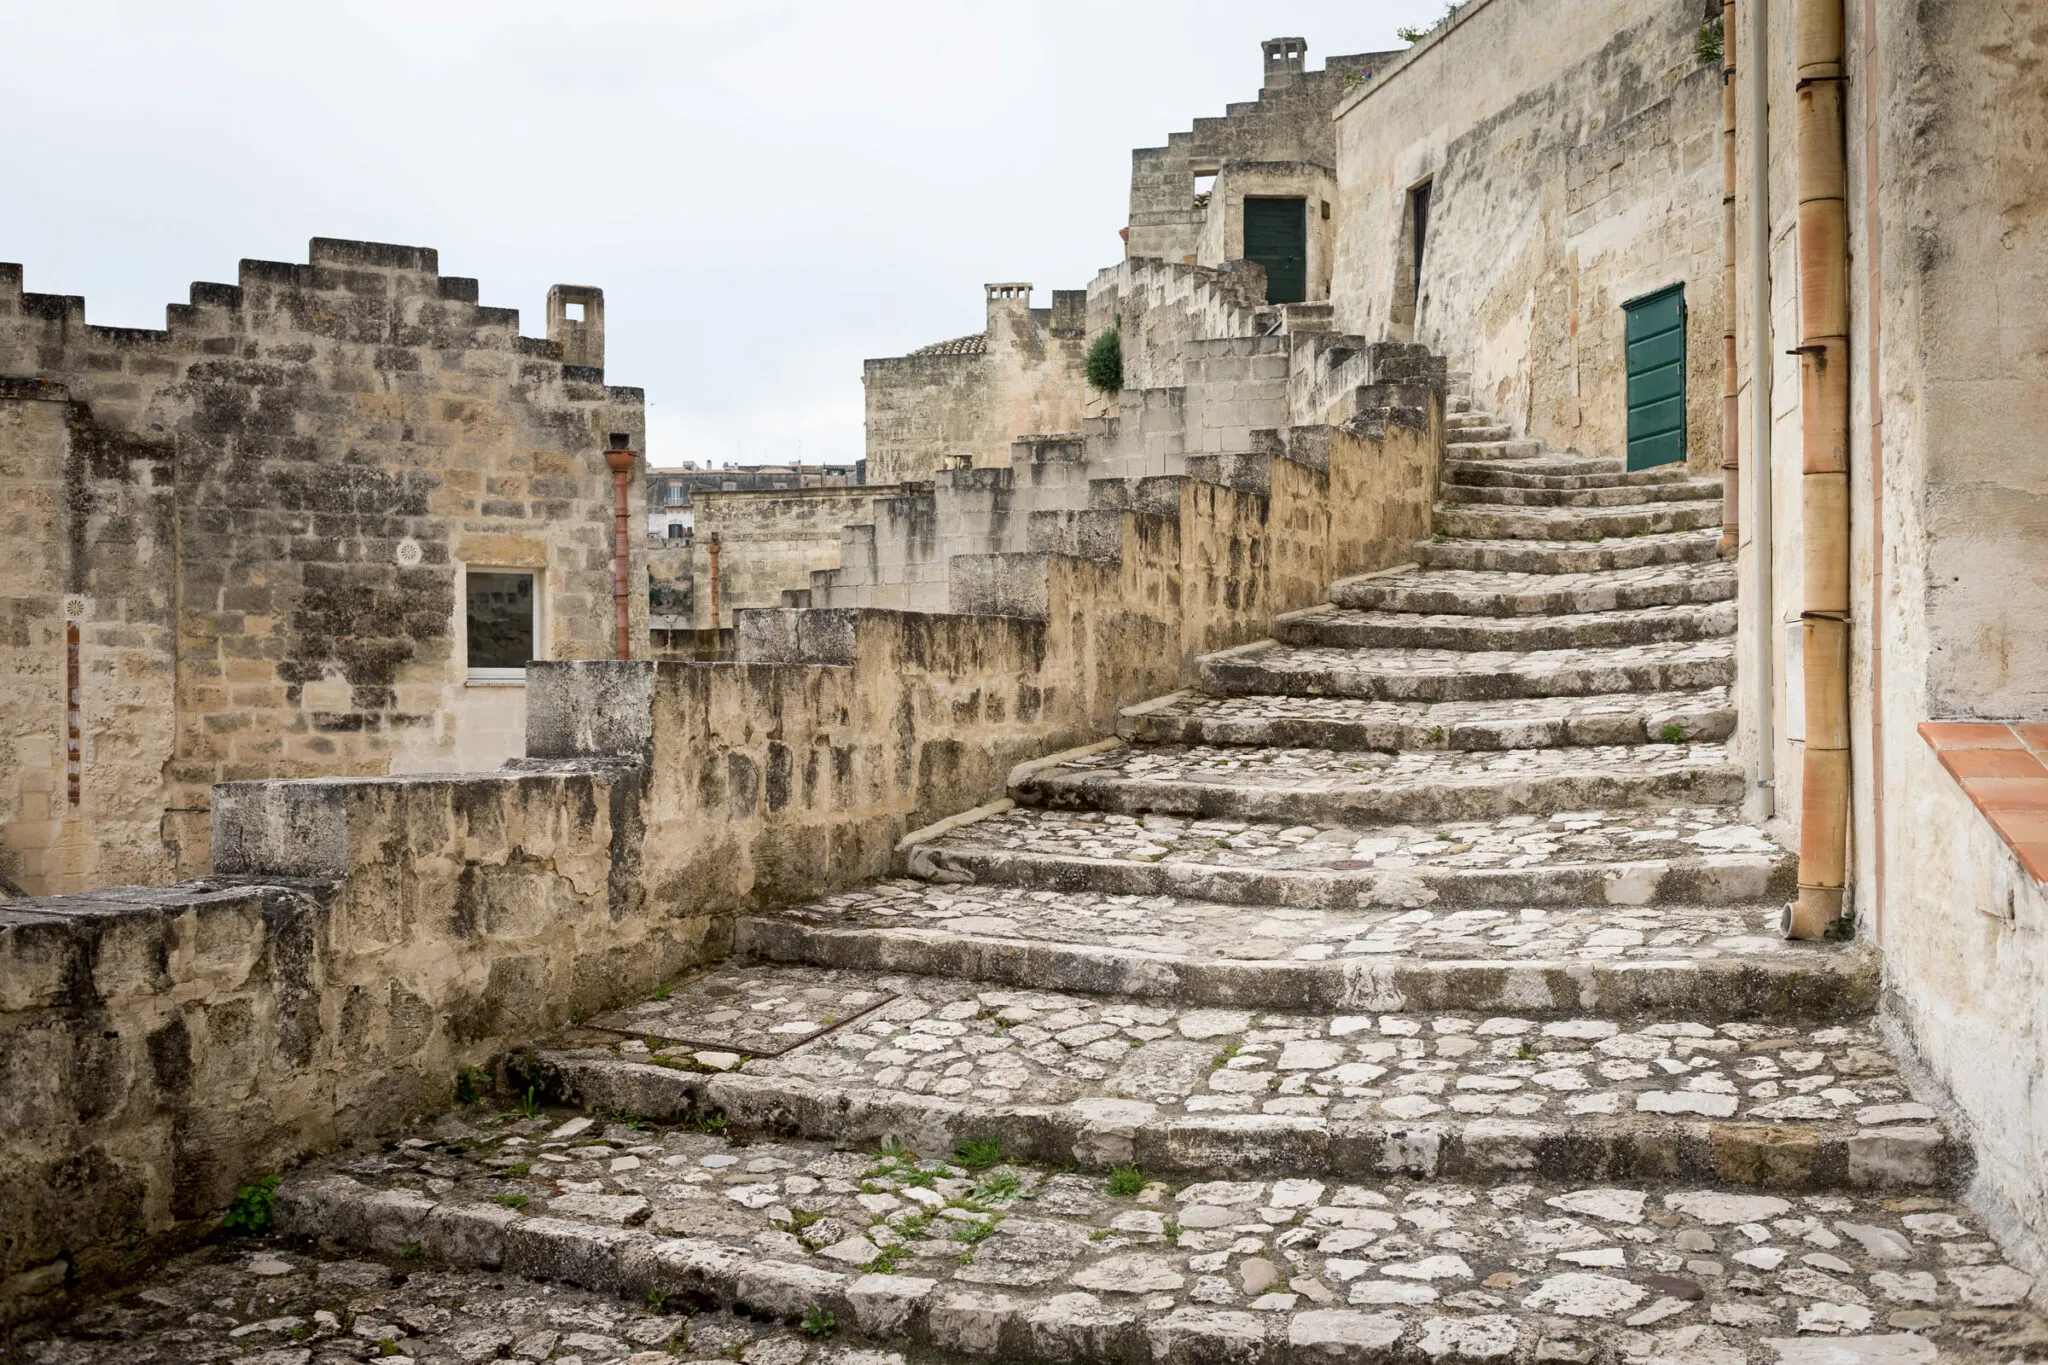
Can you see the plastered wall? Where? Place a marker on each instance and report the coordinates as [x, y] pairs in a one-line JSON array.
[[1573, 155], [266, 513]]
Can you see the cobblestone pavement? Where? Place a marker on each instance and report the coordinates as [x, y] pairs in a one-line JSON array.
[[280, 1301], [1167, 924], [1560, 839], [1317, 769], [940, 1036], [970, 1251]]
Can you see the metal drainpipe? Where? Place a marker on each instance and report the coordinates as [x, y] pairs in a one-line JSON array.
[[1821, 158], [714, 580], [1731, 438], [621, 461], [1764, 696]]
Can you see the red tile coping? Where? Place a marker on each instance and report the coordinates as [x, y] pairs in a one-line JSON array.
[[2003, 769]]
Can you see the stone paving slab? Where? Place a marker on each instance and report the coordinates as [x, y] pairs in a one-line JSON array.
[[1343, 723], [1323, 786], [1069, 1077], [1476, 592], [1569, 556], [1468, 675], [969, 1250], [1343, 627]]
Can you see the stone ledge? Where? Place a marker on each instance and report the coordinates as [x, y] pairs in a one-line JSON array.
[[2003, 769]]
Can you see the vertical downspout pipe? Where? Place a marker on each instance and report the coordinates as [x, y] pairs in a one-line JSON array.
[[1762, 368], [1821, 159], [1731, 442], [621, 461]]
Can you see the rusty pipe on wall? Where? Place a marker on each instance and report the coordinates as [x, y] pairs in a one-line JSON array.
[[1820, 159], [714, 580], [621, 459], [1731, 442]]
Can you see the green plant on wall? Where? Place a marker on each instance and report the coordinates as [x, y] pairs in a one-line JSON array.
[[1707, 43], [1104, 367]]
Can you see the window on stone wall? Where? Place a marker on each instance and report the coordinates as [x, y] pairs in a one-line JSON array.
[[502, 612], [675, 495], [675, 530]]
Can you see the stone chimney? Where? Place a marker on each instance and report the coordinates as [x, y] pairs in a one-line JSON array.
[[576, 323], [1284, 59]]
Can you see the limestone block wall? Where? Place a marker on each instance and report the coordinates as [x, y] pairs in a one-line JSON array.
[[1171, 220], [1948, 515], [770, 543], [86, 603], [1573, 161], [343, 440], [959, 404]]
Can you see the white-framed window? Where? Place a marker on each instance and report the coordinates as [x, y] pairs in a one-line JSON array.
[[502, 623]]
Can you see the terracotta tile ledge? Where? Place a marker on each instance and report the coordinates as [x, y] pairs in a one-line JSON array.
[[2003, 769]]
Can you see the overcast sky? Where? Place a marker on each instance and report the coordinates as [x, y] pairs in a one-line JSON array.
[[766, 192]]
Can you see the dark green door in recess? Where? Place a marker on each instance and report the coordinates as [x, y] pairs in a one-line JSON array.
[[1656, 378], [1276, 236]]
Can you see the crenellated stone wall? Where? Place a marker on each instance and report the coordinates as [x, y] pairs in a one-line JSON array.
[[259, 521]]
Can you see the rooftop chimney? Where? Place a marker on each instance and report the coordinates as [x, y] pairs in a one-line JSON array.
[[1284, 58]]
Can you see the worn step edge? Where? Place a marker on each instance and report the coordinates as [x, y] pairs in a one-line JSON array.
[[1101, 1131], [1454, 599], [1587, 675], [1708, 720], [1842, 985], [1334, 627], [1472, 798], [1703, 879]]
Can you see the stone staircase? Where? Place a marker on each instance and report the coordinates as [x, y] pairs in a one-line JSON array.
[[1408, 989]]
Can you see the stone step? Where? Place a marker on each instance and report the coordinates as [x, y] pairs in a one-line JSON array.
[[1573, 523], [1342, 627], [1691, 856], [1460, 420], [1458, 402], [1569, 556], [1211, 957], [1688, 490], [964, 1249], [1341, 723], [1501, 448], [1055, 1076], [1468, 592], [1583, 472], [1471, 434], [1319, 787], [1465, 675]]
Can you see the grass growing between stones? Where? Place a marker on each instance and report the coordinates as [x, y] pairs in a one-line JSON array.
[[1125, 1181], [250, 1211], [978, 1155], [512, 1201]]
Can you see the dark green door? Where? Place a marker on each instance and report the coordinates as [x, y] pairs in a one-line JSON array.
[[1276, 236], [1656, 378]]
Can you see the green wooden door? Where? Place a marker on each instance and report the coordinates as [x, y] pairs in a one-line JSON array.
[[1656, 378], [1276, 236]]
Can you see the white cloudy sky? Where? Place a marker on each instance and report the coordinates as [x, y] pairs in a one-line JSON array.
[[767, 192]]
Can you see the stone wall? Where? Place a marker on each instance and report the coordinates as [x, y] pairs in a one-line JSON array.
[[770, 543], [88, 519], [959, 404], [1949, 526], [1187, 198], [1573, 156], [267, 512]]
